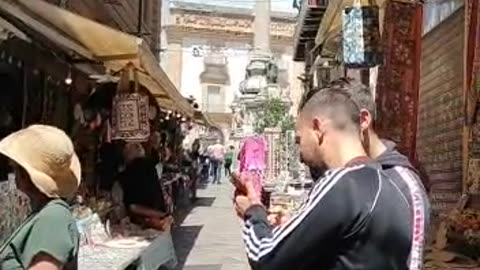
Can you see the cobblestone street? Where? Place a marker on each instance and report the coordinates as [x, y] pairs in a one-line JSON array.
[[209, 238]]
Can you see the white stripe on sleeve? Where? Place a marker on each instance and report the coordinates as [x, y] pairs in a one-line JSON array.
[[258, 248]]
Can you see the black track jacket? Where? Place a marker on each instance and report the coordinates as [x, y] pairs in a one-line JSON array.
[[354, 218]]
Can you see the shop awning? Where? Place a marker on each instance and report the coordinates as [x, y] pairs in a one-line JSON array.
[[7, 29], [331, 26], [309, 18], [101, 42], [97, 42]]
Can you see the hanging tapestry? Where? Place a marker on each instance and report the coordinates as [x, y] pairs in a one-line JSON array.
[[130, 110], [472, 80], [398, 78], [472, 88], [361, 36]]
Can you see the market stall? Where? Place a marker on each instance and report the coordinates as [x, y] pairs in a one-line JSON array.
[[34, 90], [104, 209], [125, 98]]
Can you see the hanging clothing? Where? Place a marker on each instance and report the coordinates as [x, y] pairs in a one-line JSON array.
[[253, 153], [252, 159]]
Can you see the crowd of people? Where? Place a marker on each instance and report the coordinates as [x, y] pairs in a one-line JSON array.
[[367, 210], [213, 159]]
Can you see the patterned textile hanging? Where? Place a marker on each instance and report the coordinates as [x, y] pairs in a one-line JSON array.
[[399, 77], [361, 35], [472, 92], [130, 109], [472, 80]]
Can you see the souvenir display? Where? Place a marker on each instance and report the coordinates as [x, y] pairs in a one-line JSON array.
[[130, 111], [252, 158], [463, 232], [361, 36]]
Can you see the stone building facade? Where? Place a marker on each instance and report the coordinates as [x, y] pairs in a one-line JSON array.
[[208, 47]]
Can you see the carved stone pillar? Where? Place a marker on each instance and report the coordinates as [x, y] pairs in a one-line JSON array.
[[261, 26]]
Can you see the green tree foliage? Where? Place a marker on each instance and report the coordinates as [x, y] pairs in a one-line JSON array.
[[274, 114]]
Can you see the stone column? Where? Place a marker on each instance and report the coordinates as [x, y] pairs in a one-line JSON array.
[[261, 26]]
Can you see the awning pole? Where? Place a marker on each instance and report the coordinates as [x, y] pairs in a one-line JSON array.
[[140, 18], [25, 96]]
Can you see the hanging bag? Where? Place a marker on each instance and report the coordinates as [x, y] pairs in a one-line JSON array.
[[130, 109], [361, 35]]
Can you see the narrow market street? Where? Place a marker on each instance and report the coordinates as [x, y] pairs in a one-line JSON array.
[[209, 237], [111, 111]]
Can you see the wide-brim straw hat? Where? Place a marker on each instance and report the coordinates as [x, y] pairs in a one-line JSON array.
[[48, 156]]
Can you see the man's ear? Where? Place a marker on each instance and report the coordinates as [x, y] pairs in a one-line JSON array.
[[365, 119], [318, 129], [317, 124]]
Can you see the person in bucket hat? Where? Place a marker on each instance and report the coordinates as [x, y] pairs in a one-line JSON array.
[[48, 171]]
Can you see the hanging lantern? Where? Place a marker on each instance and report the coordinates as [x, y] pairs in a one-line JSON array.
[[130, 109], [361, 35]]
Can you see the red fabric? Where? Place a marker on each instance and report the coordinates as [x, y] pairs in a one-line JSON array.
[[399, 77], [472, 76], [472, 88]]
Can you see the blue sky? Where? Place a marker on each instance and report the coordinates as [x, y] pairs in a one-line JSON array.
[[277, 5]]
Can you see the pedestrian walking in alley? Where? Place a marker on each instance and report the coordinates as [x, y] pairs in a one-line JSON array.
[[194, 154], [47, 170], [209, 151], [229, 161], [217, 157], [352, 215]]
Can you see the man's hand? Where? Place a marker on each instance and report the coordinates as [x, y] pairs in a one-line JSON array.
[[239, 185], [278, 216], [246, 195], [243, 182], [242, 203]]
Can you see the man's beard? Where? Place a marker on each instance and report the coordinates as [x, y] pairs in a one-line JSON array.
[[317, 172]]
